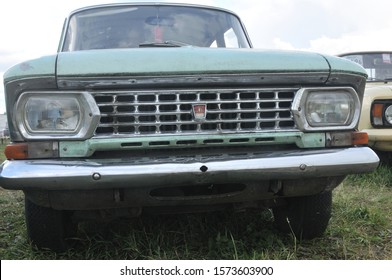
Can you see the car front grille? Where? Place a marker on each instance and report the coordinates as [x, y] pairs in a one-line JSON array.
[[168, 112]]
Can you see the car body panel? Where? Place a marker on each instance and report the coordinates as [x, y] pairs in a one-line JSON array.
[[40, 67], [69, 149], [187, 60], [379, 139]]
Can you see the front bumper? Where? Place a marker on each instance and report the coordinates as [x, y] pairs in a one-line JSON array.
[[143, 172]]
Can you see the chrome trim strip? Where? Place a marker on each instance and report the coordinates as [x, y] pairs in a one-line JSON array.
[[172, 171]]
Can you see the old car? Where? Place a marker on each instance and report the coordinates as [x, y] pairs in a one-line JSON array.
[[167, 108], [376, 117]]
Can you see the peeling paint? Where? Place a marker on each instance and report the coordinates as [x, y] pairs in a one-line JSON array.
[[25, 66]]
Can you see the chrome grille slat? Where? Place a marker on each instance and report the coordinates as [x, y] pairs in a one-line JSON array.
[[217, 102], [206, 122], [170, 111], [160, 113]]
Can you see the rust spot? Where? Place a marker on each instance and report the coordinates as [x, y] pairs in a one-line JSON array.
[[25, 67]]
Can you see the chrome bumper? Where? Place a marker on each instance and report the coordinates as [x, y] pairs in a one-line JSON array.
[[175, 171]]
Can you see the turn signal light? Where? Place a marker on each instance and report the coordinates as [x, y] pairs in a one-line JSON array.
[[360, 138], [377, 112], [347, 139], [16, 151]]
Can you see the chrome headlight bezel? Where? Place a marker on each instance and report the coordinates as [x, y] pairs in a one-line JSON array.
[[83, 126], [302, 112]]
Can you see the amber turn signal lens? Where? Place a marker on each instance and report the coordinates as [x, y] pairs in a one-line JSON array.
[[16, 151], [377, 112], [360, 138]]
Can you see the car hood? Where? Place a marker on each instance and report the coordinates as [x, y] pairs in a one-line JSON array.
[[380, 84], [378, 90], [189, 60], [147, 62]]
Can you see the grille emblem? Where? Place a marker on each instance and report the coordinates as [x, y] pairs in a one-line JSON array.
[[199, 112]]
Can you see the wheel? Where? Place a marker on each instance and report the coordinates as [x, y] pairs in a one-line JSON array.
[[385, 157], [307, 217], [47, 227]]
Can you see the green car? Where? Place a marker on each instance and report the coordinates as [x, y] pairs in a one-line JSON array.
[[167, 108]]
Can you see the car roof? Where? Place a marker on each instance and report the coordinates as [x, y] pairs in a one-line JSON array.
[[363, 52]]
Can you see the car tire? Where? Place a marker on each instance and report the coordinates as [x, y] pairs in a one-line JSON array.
[[48, 228], [306, 217], [385, 157]]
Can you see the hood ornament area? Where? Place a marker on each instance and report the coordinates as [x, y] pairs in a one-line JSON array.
[[199, 112]]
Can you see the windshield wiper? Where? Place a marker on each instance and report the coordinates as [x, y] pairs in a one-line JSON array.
[[165, 44]]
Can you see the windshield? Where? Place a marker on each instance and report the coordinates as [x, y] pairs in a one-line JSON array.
[[377, 65], [152, 26]]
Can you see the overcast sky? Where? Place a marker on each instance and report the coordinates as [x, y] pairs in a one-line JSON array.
[[31, 29]]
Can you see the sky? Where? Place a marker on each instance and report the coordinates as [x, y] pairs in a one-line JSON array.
[[31, 29]]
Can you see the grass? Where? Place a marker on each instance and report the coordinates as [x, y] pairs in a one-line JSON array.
[[360, 228]]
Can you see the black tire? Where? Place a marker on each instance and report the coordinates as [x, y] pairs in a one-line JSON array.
[[307, 217], [48, 228], [385, 157]]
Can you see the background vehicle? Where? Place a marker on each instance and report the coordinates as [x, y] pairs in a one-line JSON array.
[[376, 117], [166, 108]]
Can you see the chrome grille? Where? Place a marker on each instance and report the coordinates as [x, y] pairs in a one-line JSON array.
[[171, 111]]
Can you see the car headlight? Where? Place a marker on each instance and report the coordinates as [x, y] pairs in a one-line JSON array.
[[388, 114], [54, 115], [326, 108], [381, 113]]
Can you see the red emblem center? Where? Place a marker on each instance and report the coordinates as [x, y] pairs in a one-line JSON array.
[[199, 112]]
